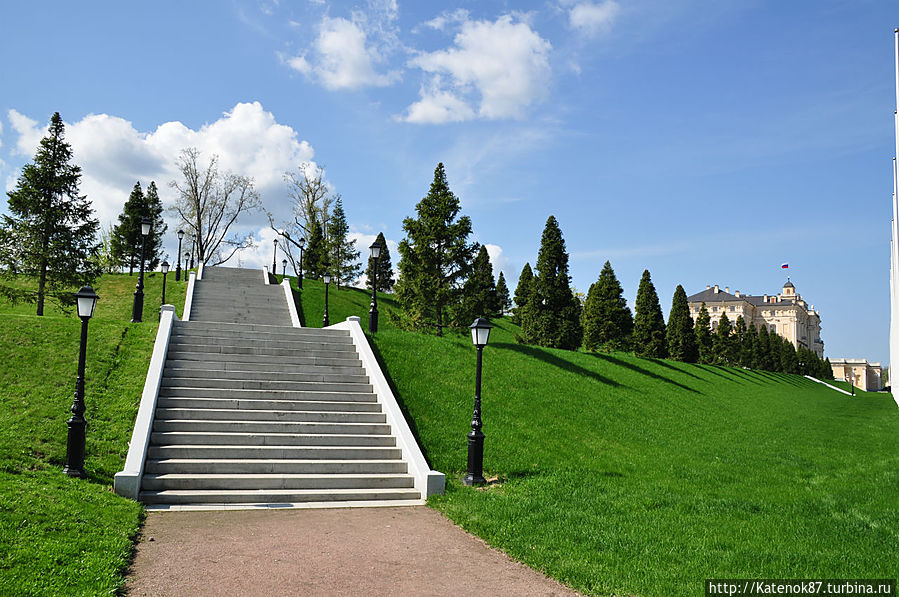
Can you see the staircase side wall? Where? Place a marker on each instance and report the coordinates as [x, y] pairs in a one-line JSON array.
[[127, 482], [427, 481]]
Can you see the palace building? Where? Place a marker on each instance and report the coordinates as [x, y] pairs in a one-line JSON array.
[[785, 314]]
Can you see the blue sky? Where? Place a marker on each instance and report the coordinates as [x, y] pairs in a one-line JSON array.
[[705, 141]]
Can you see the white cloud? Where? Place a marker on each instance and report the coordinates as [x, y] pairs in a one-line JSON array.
[[113, 155], [28, 131], [499, 261], [1, 132], [441, 22], [501, 65], [592, 18], [343, 58]]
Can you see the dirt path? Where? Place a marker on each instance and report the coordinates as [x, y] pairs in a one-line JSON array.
[[357, 551]]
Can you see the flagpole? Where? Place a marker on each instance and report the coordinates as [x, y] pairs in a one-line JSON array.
[[894, 231]]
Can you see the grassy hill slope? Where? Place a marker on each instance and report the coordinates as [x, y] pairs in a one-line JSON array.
[[63, 536], [622, 475]]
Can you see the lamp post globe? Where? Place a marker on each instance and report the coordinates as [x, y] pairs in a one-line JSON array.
[[327, 280], [480, 333], [165, 270], [283, 267], [137, 310], [375, 249], [178, 257], [302, 243], [86, 300]]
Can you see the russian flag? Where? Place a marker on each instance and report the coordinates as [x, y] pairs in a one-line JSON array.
[[784, 266]]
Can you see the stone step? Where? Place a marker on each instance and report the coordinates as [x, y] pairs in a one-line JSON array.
[[240, 346], [321, 375], [297, 427], [165, 481], [268, 405], [272, 452], [267, 395], [286, 496], [262, 369], [221, 438], [258, 327], [275, 416], [284, 466], [253, 359], [264, 384], [289, 334]]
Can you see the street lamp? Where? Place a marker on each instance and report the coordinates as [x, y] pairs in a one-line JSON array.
[[480, 333], [283, 267], [87, 301], [193, 249], [178, 257], [165, 270], [274, 259], [137, 311], [300, 280], [849, 381], [327, 279], [373, 312]]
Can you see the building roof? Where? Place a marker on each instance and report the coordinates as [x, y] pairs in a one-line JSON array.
[[710, 296], [789, 284]]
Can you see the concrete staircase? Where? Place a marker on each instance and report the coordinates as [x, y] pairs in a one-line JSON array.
[[254, 412]]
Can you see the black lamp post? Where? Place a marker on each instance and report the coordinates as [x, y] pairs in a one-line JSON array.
[[480, 333], [137, 311], [87, 301], [193, 249], [274, 259], [373, 312], [300, 280], [327, 279], [178, 257], [283, 267], [165, 270]]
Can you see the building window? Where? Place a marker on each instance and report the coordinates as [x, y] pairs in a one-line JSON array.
[[714, 309], [732, 309]]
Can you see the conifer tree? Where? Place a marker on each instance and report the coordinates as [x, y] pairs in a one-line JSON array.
[[827, 371], [749, 347], [789, 363], [504, 303], [762, 358], [681, 338], [522, 292], [435, 258], [703, 335], [385, 268], [343, 256], [479, 292], [315, 256], [552, 315], [649, 324], [607, 320], [50, 231], [744, 339], [126, 235], [721, 340]]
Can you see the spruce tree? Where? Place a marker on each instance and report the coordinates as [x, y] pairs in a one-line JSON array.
[[552, 315], [704, 335], [762, 358], [827, 371], [315, 256], [343, 256], [721, 341], [435, 258], [607, 320], [479, 292], [789, 363], [747, 350], [649, 324], [126, 242], [50, 231], [157, 229], [385, 268], [681, 338], [522, 292], [503, 302]]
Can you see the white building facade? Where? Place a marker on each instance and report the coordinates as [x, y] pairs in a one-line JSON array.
[[785, 314]]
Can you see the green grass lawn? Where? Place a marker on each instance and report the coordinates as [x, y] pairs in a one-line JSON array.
[[626, 476], [63, 536]]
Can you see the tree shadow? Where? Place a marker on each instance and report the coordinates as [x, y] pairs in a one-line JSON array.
[[744, 374], [662, 363], [551, 359], [621, 363], [783, 377]]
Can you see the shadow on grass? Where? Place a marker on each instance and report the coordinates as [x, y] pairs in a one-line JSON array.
[[551, 359], [399, 398], [636, 369], [663, 363]]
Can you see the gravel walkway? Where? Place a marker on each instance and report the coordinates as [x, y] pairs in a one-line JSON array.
[[356, 551]]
